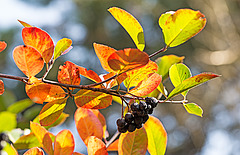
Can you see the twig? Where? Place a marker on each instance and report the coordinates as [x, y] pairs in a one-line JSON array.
[[23, 79], [112, 139], [160, 51]]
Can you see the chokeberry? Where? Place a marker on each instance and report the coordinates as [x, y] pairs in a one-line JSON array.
[[142, 105], [128, 117], [121, 122], [145, 118], [131, 127], [152, 101], [138, 120], [122, 130], [134, 106], [138, 126]]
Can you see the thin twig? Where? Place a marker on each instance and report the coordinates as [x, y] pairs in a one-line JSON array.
[[112, 139], [160, 51], [23, 79]]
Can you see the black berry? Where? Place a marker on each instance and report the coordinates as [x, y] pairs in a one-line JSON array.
[[131, 127], [122, 130], [134, 106], [138, 120], [121, 122], [128, 117], [145, 118], [142, 105]]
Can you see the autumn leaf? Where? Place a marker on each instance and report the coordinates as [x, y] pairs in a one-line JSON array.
[[192, 82], [89, 74], [34, 151], [127, 59], [64, 143], [51, 111], [3, 45], [24, 23], [62, 47], [40, 40], [133, 143], [193, 108], [131, 25], [87, 124], [9, 149], [8, 121], [157, 136], [27, 142], [92, 99], [147, 85], [96, 146], [114, 82], [113, 146], [1, 87], [28, 60], [179, 26]]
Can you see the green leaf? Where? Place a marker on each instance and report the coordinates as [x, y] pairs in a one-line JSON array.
[[9, 149], [179, 26], [192, 82], [20, 106], [178, 73], [8, 121], [165, 62], [194, 109], [62, 47], [27, 142], [131, 25]]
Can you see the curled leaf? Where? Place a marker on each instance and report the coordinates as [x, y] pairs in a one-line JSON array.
[[89, 74], [61, 46]]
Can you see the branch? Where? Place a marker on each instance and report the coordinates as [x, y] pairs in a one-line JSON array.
[[112, 139], [160, 51], [23, 79]]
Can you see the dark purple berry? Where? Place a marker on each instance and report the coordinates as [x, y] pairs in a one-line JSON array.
[[121, 122], [131, 127], [122, 130], [128, 117], [152, 101], [138, 120], [141, 113], [145, 118], [142, 105], [150, 111], [138, 126], [134, 106]]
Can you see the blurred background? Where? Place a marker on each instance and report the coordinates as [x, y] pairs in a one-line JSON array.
[[215, 49]]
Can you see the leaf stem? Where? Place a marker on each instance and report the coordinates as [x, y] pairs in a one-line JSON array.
[[160, 51]]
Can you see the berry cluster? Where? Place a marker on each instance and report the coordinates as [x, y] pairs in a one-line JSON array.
[[139, 115], [3, 137]]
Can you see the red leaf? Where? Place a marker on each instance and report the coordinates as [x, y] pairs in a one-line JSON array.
[[24, 24], [34, 151], [113, 146], [3, 45], [96, 146], [89, 74], [118, 80], [64, 143], [88, 124], [28, 60], [1, 87], [40, 40]]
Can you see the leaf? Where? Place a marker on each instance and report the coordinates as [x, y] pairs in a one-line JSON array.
[[76, 153], [64, 143], [114, 82], [61, 46], [146, 86], [96, 146], [69, 74], [133, 143], [127, 59], [157, 136], [131, 25], [137, 75], [178, 73], [165, 62], [27, 142], [193, 108], [92, 99], [28, 60], [1, 87], [179, 26], [19, 106], [24, 23], [34, 151], [87, 124], [40, 40], [89, 74], [51, 111], [113, 146], [8, 121], [9, 149], [103, 52], [3, 45], [192, 82], [40, 92]]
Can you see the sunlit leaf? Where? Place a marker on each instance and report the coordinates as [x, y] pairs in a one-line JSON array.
[[27, 142], [137, 75], [157, 136], [24, 23], [61, 46], [8, 121], [34, 151], [69, 74], [9, 149], [20, 106], [40, 40], [28, 60], [133, 143], [3, 45], [192, 82], [165, 62], [92, 99], [103, 52], [51, 111], [181, 25], [96, 146], [178, 73], [76, 153], [113, 146], [193, 108], [1, 87], [147, 85], [89, 74], [131, 25], [127, 59], [64, 143], [87, 124], [114, 82]]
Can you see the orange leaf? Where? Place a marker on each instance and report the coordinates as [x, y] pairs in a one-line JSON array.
[[40, 40], [92, 100], [118, 80], [157, 136], [51, 111], [103, 52], [24, 23], [137, 75], [148, 85], [1, 87], [76, 153], [64, 143], [3, 45], [96, 146], [40, 92], [113, 146], [89, 74], [133, 143], [34, 151], [87, 124], [28, 60], [69, 74], [127, 59]]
